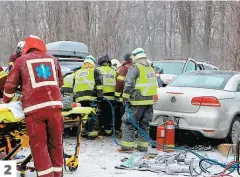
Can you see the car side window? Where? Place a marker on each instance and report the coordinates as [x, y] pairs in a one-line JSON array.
[[190, 67], [208, 67], [238, 87]]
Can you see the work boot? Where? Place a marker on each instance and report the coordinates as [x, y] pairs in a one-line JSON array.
[[127, 146], [125, 149], [142, 146], [93, 134], [142, 149], [108, 132]]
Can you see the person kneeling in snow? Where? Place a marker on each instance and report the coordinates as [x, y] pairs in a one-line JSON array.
[[40, 78]]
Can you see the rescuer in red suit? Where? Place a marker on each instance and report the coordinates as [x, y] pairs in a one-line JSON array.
[[40, 79]]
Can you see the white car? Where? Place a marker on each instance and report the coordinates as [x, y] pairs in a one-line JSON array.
[[175, 67], [202, 65], [202, 102], [172, 68]]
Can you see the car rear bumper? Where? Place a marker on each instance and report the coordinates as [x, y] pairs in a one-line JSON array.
[[213, 125]]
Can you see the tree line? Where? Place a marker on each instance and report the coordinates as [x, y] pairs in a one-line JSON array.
[[203, 30]]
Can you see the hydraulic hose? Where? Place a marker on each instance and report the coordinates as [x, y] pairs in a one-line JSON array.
[[113, 119], [231, 168]]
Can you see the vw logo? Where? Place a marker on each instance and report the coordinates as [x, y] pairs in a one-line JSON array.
[[173, 99]]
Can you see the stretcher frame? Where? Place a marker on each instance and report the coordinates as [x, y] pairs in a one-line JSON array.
[[77, 116]]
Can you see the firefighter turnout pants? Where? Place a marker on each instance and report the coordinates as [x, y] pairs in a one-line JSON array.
[[45, 128], [142, 115], [119, 111], [105, 117]]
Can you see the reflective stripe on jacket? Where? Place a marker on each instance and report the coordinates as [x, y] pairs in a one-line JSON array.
[[40, 78], [140, 85], [84, 85], [67, 87], [87, 84], [109, 81], [147, 81]]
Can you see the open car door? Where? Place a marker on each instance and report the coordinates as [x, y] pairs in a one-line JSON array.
[[190, 65]]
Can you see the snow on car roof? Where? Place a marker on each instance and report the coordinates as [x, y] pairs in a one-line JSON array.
[[67, 48]]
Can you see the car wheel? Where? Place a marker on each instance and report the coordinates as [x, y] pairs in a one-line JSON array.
[[234, 133]]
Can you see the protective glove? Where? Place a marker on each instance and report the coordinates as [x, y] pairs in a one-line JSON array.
[[125, 102]]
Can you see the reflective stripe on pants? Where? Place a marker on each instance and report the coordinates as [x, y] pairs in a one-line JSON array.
[[45, 128], [51, 172]]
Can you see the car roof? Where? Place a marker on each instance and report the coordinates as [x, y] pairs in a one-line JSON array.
[[170, 60], [205, 63], [67, 48], [223, 72]]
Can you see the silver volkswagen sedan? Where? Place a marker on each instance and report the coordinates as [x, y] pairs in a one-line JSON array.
[[205, 102]]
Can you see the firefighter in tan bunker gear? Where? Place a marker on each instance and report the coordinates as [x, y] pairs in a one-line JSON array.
[[139, 88], [109, 82], [87, 87]]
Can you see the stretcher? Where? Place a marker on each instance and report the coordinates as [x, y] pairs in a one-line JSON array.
[[13, 136]]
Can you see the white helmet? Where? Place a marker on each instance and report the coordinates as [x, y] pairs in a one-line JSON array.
[[115, 64], [138, 53], [20, 47], [89, 59]]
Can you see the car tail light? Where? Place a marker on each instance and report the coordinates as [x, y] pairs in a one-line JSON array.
[[209, 131], [206, 101], [155, 98]]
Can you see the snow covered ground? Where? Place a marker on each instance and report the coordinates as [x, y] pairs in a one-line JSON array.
[[98, 158]]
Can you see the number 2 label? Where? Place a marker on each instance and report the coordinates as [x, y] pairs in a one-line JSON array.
[[8, 168]]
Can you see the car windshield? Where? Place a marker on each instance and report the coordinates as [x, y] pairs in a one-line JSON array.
[[210, 80], [71, 64], [174, 68], [65, 69]]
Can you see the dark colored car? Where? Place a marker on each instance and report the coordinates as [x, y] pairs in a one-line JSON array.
[[70, 54]]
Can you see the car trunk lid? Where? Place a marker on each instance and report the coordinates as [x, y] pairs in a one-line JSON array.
[[179, 99]]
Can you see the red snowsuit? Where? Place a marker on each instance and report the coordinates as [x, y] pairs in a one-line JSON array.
[[119, 109], [40, 78], [120, 78]]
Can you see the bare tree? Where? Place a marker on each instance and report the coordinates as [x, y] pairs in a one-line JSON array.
[[184, 10], [163, 29]]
